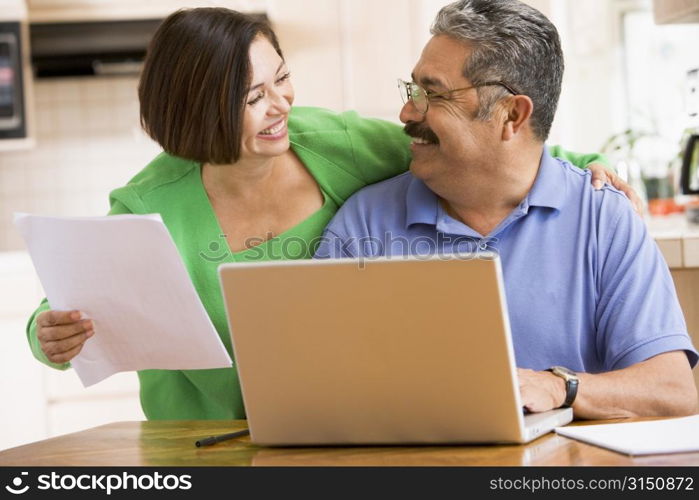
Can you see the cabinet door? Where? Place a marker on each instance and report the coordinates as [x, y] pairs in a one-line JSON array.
[[687, 286], [71, 407], [23, 416], [676, 11], [110, 10]]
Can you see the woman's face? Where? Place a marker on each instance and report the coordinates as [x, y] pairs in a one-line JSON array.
[[267, 105]]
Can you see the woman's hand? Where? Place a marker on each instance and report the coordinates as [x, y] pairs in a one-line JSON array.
[[601, 175], [62, 334]]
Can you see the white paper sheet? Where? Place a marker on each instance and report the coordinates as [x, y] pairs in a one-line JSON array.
[[675, 435], [124, 273]]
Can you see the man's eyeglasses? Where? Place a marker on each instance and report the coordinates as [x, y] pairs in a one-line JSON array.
[[421, 97]]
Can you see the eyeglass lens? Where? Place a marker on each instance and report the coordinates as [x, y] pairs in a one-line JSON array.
[[412, 91]]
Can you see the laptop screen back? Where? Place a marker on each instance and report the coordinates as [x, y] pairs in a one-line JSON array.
[[373, 352]]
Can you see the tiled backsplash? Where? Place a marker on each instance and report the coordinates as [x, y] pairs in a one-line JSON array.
[[88, 142]]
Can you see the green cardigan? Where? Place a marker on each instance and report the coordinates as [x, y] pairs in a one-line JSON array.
[[343, 152]]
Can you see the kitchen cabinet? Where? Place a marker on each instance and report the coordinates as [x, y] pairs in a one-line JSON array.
[[56, 11], [677, 239], [676, 11]]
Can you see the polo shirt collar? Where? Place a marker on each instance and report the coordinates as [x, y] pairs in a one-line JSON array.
[[422, 205], [549, 190]]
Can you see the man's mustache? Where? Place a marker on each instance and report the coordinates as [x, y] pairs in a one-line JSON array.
[[420, 131]]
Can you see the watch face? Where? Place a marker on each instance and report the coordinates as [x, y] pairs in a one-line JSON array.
[[564, 372]]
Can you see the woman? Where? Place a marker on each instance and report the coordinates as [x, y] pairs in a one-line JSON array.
[[243, 177]]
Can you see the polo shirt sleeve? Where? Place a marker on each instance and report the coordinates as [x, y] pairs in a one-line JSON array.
[[335, 246], [638, 315]]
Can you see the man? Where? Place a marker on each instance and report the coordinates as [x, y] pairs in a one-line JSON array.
[[586, 287]]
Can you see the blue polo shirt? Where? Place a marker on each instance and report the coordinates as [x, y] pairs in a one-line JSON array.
[[586, 286]]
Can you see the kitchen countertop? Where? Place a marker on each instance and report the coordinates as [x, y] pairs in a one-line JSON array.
[[675, 226], [677, 239]]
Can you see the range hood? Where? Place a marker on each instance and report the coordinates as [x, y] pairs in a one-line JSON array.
[[90, 48]]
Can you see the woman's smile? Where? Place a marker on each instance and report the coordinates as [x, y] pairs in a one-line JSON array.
[[275, 132]]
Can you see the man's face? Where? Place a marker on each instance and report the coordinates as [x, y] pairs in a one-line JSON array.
[[454, 138]]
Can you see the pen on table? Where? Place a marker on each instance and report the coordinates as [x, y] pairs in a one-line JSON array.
[[223, 437]]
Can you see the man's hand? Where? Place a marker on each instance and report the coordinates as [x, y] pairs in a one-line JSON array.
[[540, 391], [601, 175]]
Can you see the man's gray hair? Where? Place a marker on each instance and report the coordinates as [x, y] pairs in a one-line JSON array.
[[512, 43]]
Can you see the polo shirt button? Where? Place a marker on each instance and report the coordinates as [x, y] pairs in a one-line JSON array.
[[483, 246]]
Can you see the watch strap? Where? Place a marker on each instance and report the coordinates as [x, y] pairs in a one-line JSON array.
[[571, 388]]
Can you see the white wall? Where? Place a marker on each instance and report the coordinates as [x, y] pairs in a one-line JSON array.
[[348, 54], [22, 418], [591, 106]]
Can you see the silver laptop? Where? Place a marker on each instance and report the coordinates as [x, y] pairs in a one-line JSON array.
[[380, 351]]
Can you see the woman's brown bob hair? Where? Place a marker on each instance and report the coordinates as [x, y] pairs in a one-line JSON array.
[[195, 81]]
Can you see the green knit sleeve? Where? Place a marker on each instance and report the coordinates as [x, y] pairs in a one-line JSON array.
[[380, 149], [34, 345], [579, 160]]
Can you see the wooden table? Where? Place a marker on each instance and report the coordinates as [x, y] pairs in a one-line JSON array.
[[171, 443]]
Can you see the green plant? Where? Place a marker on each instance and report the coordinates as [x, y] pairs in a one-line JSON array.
[[623, 144]]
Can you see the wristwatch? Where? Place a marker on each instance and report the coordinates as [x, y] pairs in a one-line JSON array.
[[571, 380]]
